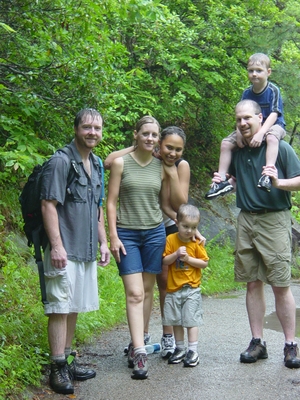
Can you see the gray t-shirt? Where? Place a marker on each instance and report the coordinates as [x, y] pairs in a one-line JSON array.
[[247, 165], [78, 201]]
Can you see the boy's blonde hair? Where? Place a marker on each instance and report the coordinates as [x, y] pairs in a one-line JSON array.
[[259, 58], [188, 211]]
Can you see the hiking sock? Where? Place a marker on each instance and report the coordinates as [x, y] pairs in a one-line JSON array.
[[193, 346], [180, 344], [57, 358], [139, 350], [67, 351]]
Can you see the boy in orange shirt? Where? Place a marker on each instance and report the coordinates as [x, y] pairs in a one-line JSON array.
[[183, 303]]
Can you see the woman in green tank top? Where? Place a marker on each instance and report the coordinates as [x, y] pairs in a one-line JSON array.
[[137, 234], [172, 142]]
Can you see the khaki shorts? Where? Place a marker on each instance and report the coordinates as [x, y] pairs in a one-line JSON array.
[[263, 248], [275, 130], [183, 308], [72, 289]]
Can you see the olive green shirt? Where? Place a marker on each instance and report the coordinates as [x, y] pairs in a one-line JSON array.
[[140, 187]]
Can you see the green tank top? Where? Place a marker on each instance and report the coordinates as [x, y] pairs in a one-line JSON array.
[[139, 206]]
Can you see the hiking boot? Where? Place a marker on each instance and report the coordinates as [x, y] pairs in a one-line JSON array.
[[177, 356], [78, 372], [130, 355], [218, 189], [265, 183], [140, 368], [167, 345], [191, 359], [291, 355], [256, 350], [59, 378]]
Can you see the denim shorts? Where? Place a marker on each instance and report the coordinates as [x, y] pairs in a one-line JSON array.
[[144, 248]]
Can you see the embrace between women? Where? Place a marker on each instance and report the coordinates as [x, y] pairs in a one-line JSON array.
[[141, 186]]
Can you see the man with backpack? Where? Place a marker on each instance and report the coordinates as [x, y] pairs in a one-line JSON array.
[[74, 223]]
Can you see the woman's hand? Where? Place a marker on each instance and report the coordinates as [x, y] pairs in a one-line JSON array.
[[202, 239], [115, 246]]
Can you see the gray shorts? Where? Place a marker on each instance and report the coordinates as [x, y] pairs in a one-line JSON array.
[[72, 289], [183, 308], [263, 248]]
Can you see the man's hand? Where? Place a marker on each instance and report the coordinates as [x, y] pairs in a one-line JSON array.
[[59, 258], [105, 255], [272, 172]]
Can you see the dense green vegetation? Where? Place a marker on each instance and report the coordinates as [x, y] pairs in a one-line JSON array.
[[182, 61]]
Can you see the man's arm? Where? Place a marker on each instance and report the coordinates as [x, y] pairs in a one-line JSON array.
[[51, 224], [291, 184], [104, 250]]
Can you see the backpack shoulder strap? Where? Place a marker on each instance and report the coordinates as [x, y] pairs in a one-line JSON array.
[[69, 152], [102, 196]]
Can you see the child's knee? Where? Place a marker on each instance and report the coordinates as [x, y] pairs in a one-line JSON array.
[[272, 139], [226, 145]]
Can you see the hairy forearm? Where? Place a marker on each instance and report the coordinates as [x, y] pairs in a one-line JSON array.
[[292, 184], [51, 223], [101, 228]]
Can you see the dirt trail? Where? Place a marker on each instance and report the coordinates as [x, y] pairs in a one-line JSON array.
[[219, 375]]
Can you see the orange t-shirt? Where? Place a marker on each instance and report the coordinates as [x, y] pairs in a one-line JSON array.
[[180, 273]]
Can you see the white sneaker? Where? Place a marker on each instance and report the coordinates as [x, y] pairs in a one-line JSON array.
[[167, 345]]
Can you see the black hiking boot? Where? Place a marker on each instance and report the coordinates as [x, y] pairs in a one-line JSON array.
[[79, 373], [59, 379]]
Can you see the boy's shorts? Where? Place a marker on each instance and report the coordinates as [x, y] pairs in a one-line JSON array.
[[72, 289], [275, 130], [263, 248], [183, 308]]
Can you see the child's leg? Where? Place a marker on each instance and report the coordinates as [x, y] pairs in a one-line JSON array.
[[275, 134], [179, 335], [192, 357], [180, 351], [272, 149], [225, 157], [192, 334]]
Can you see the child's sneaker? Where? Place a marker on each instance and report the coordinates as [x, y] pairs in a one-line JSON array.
[[140, 368], [191, 359], [177, 356], [167, 345], [265, 183], [219, 189]]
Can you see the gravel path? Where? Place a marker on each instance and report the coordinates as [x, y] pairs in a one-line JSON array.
[[220, 375]]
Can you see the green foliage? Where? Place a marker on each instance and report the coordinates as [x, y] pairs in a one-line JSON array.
[[218, 276], [182, 61], [112, 305], [23, 326]]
